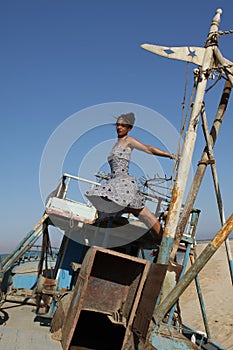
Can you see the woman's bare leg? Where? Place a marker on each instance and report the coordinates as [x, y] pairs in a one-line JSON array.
[[150, 221]]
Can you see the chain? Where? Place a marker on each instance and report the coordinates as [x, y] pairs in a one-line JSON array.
[[225, 32], [221, 32]]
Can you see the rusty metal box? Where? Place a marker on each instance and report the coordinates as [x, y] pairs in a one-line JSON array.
[[105, 300]]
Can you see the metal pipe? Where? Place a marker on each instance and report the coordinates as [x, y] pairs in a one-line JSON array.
[[217, 188], [185, 262], [81, 179], [201, 261], [213, 167], [190, 240], [66, 188], [201, 168], [229, 257], [195, 217], [188, 147], [201, 300], [23, 249], [18, 249]]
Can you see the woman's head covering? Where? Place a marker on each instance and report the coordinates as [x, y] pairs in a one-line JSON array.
[[128, 118]]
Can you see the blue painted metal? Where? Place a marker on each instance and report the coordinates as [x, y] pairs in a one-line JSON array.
[[189, 241], [159, 341], [24, 281], [165, 249], [202, 305], [229, 258], [231, 269], [185, 261], [71, 251]]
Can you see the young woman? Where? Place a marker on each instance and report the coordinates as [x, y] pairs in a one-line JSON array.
[[121, 194]]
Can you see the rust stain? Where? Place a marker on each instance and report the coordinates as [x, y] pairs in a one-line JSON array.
[[175, 196], [172, 211], [223, 233]]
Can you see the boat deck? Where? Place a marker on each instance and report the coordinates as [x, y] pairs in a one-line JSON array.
[[21, 329]]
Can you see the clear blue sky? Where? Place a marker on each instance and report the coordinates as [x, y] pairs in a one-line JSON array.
[[60, 57]]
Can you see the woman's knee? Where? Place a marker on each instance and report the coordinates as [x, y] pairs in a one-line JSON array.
[[135, 212]]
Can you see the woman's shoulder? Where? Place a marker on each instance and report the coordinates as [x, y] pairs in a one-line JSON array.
[[131, 142], [128, 143]]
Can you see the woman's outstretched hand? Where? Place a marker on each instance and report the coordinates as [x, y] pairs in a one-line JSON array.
[[174, 156]]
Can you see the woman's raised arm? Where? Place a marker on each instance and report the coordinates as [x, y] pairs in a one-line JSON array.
[[134, 143]]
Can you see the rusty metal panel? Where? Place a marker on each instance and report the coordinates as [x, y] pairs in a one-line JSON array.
[[104, 296], [108, 283], [59, 316], [148, 299], [78, 295]]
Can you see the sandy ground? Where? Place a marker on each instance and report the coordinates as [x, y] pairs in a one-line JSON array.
[[217, 291]]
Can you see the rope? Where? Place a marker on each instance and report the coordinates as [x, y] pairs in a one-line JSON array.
[[211, 86]]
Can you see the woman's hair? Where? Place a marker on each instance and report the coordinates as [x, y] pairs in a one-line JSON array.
[[128, 118]]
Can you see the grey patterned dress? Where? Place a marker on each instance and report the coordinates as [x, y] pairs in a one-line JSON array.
[[121, 191]]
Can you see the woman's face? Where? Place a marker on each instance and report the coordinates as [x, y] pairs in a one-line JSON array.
[[122, 127]]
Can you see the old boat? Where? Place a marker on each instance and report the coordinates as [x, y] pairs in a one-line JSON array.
[[99, 290]]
